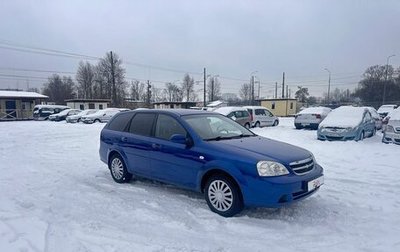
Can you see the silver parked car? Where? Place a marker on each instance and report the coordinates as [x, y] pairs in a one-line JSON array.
[[103, 115], [238, 114], [392, 132], [385, 109], [311, 117], [376, 116], [347, 123], [261, 116], [77, 118]]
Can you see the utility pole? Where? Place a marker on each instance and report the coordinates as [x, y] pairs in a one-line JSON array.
[[290, 93], [258, 95], [114, 91], [287, 91], [386, 79], [148, 93], [276, 90], [205, 78], [212, 89], [283, 85], [329, 85], [252, 90]]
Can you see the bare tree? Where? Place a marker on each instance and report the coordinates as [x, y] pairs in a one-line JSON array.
[[59, 89], [172, 92], [187, 87], [213, 89], [245, 92], [138, 91], [85, 77], [110, 79]]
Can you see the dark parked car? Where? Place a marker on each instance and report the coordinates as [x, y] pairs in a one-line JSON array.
[[209, 153]]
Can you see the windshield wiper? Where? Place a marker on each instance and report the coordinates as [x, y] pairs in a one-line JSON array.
[[217, 138]]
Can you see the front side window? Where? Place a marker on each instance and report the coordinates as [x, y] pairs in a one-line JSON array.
[[260, 112], [142, 124], [167, 126]]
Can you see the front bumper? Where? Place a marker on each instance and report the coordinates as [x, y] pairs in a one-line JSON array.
[[86, 120], [278, 191], [391, 137]]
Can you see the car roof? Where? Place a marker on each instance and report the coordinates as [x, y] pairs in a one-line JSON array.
[[177, 112]]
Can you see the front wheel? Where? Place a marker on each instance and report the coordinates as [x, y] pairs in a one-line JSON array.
[[118, 169], [257, 125], [223, 196], [275, 123], [247, 125]]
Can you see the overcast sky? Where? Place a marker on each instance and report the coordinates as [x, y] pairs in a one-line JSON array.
[[231, 39]]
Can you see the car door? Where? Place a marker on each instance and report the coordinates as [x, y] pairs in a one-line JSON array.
[[269, 117], [368, 124], [136, 143], [172, 162]]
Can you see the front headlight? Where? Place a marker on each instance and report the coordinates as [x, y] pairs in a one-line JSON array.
[[270, 169], [349, 128]]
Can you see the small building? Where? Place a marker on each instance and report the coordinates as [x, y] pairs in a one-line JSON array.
[[83, 104], [18, 105], [174, 105], [280, 107]]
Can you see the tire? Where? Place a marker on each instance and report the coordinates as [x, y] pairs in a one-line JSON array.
[[257, 125], [275, 123], [362, 136], [223, 196], [118, 169], [96, 120], [79, 119], [247, 125], [298, 126]]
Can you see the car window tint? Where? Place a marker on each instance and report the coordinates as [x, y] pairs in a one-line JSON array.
[[260, 112], [267, 113], [120, 122], [167, 126], [142, 124], [245, 114]]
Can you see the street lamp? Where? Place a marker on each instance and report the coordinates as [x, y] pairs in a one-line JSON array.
[[386, 78], [329, 84]]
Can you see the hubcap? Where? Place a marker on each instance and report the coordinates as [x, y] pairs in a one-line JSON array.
[[220, 195], [117, 168]]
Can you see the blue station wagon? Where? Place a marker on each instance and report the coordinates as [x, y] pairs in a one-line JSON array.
[[209, 153]]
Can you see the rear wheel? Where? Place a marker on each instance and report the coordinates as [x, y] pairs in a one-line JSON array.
[[223, 196], [118, 169], [257, 125], [96, 120]]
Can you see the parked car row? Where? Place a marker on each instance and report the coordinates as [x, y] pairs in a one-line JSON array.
[[350, 123]]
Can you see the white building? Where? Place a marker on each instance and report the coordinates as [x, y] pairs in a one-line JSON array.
[[83, 104]]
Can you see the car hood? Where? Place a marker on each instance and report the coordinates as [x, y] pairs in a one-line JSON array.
[[261, 148]]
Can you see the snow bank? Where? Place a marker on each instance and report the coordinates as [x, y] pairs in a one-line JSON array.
[[56, 195]]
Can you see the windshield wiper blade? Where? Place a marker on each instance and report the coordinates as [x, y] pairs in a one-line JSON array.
[[217, 138]]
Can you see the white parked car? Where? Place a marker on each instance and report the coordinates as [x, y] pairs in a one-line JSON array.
[[376, 116], [385, 109], [103, 115], [76, 118], [63, 114], [311, 117], [261, 116], [392, 132]]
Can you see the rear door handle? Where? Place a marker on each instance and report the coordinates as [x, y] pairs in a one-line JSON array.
[[156, 146], [124, 139]]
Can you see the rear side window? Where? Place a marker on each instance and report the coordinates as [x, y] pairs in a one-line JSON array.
[[245, 114], [142, 124], [120, 122], [260, 112]]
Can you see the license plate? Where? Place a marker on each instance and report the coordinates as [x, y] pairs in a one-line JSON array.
[[315, 183], [306, 124]]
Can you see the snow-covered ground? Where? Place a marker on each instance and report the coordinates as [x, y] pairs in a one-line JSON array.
[[56, 195]]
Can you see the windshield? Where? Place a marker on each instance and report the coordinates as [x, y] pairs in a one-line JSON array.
[[216, 127]]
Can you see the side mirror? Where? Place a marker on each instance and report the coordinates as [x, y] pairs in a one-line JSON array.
[[178, 138]]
